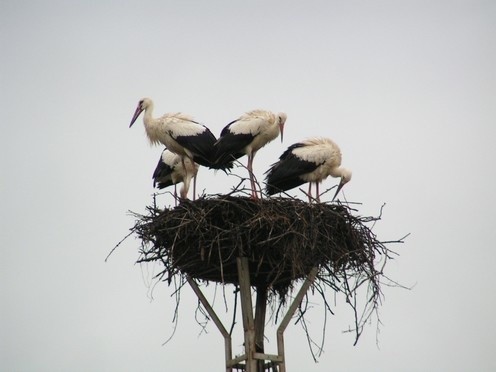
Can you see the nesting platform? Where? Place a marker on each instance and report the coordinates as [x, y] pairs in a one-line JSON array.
[[270, 244], [283, 239]]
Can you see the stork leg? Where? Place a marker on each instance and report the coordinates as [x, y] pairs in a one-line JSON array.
[[194, 188], [186, 183], [310, 192], [317, 190], [175, 195], [184, 192], [187, 179], [254, 193]]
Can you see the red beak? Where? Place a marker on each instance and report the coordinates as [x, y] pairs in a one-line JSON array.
[[137, 113]]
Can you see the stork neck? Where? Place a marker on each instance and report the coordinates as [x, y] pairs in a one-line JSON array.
[[336, 172], [147, 117], [152, 126]]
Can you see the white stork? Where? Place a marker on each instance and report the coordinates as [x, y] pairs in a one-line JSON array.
[[311, 160], [170, 171], [179, 133], [245, 136]]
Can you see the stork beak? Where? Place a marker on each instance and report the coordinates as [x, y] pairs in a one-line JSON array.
[[137, 113], [340, 186], [281, 128]]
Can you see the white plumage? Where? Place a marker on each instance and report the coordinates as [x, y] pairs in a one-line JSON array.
[[171, 170], [245, 136], [311, 160], [178, 132]]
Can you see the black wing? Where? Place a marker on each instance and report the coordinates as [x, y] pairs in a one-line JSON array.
[[162, 175], [230, 147], [201, 145], [286, 173]]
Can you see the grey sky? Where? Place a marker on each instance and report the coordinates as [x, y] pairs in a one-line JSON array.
[[407, 89]]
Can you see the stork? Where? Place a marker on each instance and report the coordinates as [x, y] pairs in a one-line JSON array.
[[245, 136], [311, 160], [171, 171], [179, 133]]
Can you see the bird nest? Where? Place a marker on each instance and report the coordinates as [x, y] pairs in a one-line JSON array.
[[283, 239]]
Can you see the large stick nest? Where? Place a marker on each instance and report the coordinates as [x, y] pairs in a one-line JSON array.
[[283, 238]]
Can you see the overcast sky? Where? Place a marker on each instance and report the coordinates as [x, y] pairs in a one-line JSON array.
[[406, 88]]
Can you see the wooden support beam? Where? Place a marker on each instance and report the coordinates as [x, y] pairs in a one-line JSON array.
[[287, 318], [217, 321]]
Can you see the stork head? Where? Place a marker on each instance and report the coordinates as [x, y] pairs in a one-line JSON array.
[[281, 119], [345, 178], [143, 104]]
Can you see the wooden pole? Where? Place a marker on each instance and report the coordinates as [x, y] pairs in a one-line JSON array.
[[254, 328], [287, 318], [260, 311], [247, 313]]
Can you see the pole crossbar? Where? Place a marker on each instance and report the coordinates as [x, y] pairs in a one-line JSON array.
[[269, 357], [236, 361]]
